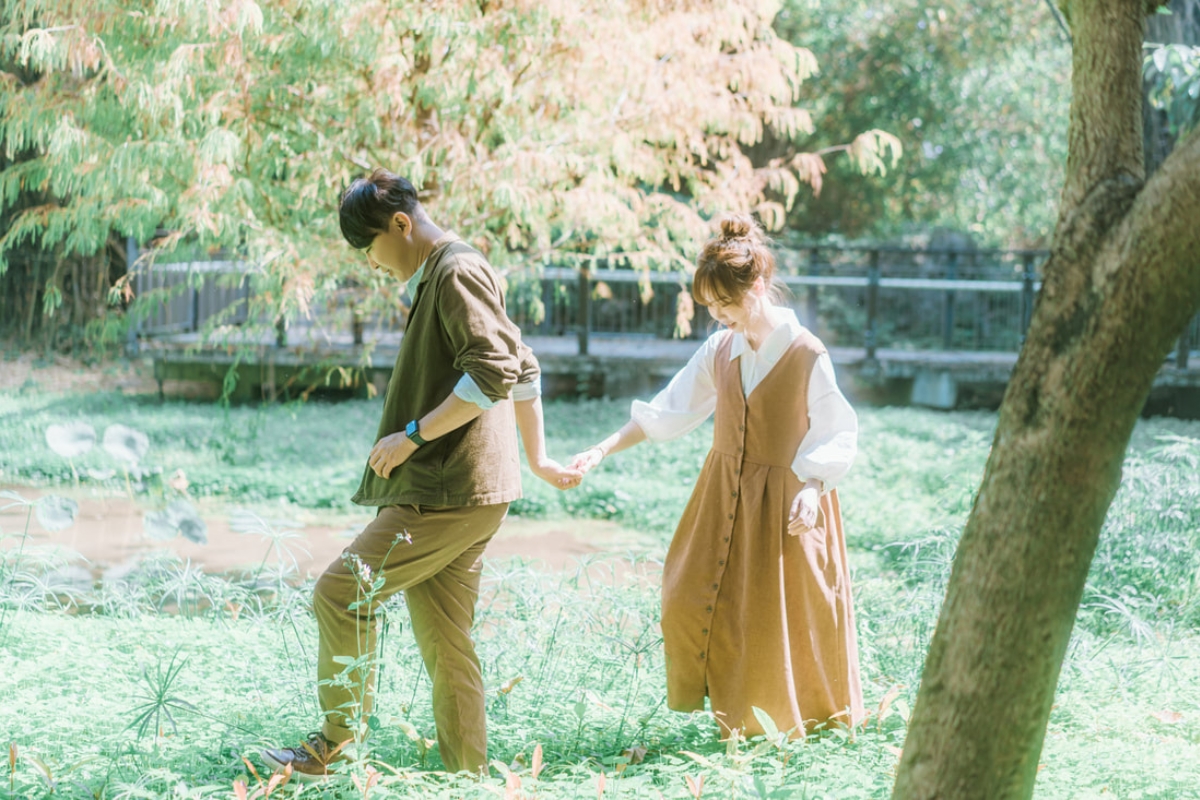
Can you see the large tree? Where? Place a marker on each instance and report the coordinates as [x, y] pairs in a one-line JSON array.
[[979, 95], [561, 130], [1122, 280]]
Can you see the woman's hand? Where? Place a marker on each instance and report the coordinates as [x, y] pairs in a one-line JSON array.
[[556, 474], [804, 511], [586, 461]]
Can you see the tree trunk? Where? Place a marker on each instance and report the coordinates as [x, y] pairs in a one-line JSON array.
[[1122, 279]]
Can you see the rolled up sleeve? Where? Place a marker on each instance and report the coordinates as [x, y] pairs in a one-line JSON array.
[[486, 344]]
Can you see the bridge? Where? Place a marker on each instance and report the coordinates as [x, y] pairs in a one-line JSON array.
[[939, 328]]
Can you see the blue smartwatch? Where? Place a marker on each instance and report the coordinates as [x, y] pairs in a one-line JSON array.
[[413, 431]]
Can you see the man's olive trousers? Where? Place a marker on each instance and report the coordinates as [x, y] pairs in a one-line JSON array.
[[433, 555]]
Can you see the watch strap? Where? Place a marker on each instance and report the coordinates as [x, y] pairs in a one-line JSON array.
[[413, 431]]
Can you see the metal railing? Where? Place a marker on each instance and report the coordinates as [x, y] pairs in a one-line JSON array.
[[867, 297], [853, 297], [183, 296]]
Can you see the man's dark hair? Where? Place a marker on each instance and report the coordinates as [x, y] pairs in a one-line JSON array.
[[369, 203]]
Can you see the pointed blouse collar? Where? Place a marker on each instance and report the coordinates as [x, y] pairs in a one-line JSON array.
[[784, 329]]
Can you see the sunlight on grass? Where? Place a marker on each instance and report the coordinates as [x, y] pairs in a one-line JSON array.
[[159, 681]]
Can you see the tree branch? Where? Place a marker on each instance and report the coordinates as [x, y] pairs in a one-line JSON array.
[[1105, 138], [1156, 249]]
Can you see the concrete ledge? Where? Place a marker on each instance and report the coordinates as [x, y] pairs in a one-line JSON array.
[[620, 367]]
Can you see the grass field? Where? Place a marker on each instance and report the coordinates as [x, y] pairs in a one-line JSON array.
[[158, 684]]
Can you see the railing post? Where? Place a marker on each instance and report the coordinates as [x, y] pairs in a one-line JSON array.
[[194, 322], [1185, 344], [872, 304], [281, 331], [814, 269], [1027, 277], [585, 309], [356, 324], [948, 313], [131, 335]]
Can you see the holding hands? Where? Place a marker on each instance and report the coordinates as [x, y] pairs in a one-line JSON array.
[[556, 474], [587, 460]]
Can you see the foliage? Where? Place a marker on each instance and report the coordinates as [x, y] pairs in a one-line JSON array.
[[1173, 72], [570, 660], [927, 465], [562, 131], [978, 95]]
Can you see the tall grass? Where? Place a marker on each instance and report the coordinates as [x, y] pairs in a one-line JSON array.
[[572, 660]]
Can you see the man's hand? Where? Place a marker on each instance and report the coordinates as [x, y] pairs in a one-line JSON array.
[[556, 474], [803, 515], [390, 452]]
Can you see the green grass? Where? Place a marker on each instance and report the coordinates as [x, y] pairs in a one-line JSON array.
[[585, 644]]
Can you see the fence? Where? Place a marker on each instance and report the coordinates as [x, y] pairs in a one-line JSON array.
[[183, 296], [853, 297], [864, 297]]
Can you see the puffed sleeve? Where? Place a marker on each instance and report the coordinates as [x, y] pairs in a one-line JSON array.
[[829, 447], [689, 399]]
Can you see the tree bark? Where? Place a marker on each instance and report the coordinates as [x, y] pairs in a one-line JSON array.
[[1122, 280]]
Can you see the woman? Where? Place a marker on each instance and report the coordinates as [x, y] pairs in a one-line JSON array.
[[756, 589]]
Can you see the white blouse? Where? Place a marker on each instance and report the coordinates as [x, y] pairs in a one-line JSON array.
[[829, 447]]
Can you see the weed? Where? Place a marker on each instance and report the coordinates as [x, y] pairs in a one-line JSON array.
[[160, 703], [584, 642]]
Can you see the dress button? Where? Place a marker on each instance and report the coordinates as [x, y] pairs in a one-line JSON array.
[[721, 563], [727, 538], [733, 494], [731, 516], [702, 656], [708, 609], [716, 586], [704, 631]]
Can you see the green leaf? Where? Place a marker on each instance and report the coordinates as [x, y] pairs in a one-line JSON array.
[[1160, 58], [56, 513], [125, 444], [768, 724], [71, 440]]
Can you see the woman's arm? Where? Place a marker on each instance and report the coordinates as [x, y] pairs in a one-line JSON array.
[[629, 435], [828, 449]]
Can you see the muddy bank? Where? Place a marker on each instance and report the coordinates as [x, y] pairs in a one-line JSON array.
[[109, 533]]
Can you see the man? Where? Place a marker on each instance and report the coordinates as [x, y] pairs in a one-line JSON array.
[[442, 473]]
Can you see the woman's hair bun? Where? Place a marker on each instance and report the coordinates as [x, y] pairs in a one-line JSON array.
[[737, 226]]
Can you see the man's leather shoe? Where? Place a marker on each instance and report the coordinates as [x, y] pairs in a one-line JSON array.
[[310, 761]]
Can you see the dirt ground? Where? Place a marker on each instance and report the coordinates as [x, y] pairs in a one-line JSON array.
[[63, 374], [108, 532]]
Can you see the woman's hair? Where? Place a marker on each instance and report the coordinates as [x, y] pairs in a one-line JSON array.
[[730, 263], [368, 204]]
